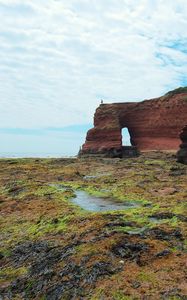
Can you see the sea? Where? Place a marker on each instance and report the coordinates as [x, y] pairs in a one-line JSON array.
[[34, 155]]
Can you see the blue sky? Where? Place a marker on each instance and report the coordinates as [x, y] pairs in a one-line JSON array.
[[58, 58]]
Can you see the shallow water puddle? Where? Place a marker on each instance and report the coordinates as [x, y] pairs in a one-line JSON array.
[[157, 220], [93, 203], [99, 175]]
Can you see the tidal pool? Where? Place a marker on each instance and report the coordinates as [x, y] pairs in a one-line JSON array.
[[93, 203]]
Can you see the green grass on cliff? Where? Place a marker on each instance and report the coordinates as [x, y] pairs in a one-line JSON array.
[[179, 90]]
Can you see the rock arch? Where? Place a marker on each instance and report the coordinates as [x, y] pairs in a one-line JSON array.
[[153, 124]]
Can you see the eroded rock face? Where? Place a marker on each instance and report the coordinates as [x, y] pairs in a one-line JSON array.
[[182, 153], [153, 124]]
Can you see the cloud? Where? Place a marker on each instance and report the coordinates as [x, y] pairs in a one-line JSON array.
[[58, 58]]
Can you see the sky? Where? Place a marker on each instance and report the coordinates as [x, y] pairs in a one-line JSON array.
[[59, 58]]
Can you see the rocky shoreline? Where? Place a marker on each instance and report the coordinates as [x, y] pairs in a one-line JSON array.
[[51, 249]]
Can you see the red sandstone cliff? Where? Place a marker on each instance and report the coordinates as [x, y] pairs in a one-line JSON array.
[[153, 124]]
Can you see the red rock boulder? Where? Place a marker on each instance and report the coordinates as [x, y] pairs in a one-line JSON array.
[[182, 153]]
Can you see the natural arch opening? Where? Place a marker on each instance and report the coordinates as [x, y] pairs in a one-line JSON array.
[[126, 139]]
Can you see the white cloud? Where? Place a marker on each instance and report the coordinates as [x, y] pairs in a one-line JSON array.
[[58, 58]]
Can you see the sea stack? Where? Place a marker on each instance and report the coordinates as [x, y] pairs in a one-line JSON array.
[[182, 153]]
